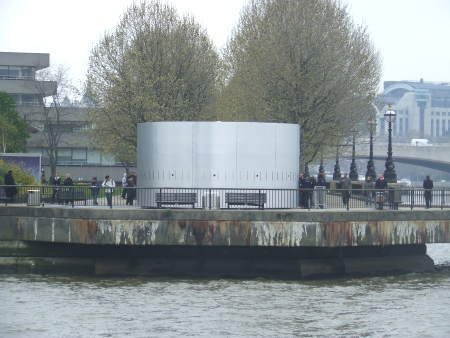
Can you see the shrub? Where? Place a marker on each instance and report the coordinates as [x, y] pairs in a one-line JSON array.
[[20, 176]]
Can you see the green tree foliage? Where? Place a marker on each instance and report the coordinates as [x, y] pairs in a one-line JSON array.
[[154, 66], [300, 61], [13, 129]]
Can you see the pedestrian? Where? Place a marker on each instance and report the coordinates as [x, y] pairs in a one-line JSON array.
[[131, 189], [428, 186], [124, 185], [345, 185], [368, 191], [10, 190], [380, 188], [301, 180], [322, 184], [109, 186], [68, 183], [55, 182], [43, 179], [308, 186], [95, 189]]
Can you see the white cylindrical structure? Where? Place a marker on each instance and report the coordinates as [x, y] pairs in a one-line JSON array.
[[248, 155]]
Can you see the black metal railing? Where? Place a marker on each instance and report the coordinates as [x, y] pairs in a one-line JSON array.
[[225, 198]]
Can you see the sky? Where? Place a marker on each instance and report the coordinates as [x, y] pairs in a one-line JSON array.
[[412, 36]]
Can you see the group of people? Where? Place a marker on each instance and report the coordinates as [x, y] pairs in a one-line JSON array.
[[56, 181], [129, 182], [306, 184], [374, 190]]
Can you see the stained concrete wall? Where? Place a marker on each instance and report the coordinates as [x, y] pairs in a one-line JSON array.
[[223, 243], [224, 228]]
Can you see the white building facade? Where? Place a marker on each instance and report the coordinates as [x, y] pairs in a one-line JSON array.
[[423, 110]]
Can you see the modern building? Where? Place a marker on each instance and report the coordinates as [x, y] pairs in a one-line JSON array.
[[76, 155], [423, 109]]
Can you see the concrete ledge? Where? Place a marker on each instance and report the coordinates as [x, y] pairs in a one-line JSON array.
[[322, 215]]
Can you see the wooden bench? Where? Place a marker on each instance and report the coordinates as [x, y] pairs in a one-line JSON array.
[[66, 196], [246, 198], [176, 198]]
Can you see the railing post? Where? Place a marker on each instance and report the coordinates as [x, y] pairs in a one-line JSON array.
[[209, 192], [259, 199], [411, 198], [442, 198]]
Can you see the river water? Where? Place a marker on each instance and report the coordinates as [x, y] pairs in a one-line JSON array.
[[413, 305]]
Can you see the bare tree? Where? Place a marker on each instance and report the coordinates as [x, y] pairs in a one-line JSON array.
[[52, 86], [155, 66], [300, 61]]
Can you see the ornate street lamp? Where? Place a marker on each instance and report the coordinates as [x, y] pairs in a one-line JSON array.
[[337, 168], [321, 168], [370, 165], [353, 168], [389, 174]]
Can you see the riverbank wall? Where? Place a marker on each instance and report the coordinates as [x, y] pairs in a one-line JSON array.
[[224, 243]]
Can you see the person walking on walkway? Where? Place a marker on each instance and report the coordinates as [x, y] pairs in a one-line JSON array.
[[346, 185], [131, 189], [68, 182], [109, 186], [368, 191], [380, 187], [428, 186], [10, 190], [55, 182], [124, 185], [320, 192], [95, 189], [308, 185], [301, 194]]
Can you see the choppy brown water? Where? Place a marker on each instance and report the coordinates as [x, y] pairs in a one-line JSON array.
[[413, 305]]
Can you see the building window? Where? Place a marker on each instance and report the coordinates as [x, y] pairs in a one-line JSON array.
[[14, 72], [432, 128], [400, 126], [443, 128], [406, 126], [4, 72], [437, 128]]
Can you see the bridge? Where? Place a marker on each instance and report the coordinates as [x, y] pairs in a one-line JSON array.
[[432, 156]]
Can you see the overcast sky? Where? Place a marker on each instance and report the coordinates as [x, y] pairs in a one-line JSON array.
[[412, 36]]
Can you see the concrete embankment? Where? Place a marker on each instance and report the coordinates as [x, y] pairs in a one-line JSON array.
[[236, 243]]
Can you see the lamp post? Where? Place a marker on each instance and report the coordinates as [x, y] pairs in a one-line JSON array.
[[321, 168], [370, 165], [389, 174], [337, 168], [353, 168]]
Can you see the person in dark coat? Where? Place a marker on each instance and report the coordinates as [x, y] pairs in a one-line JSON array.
[[380, 188], [55, 182], [11, 190], [308, 186], [321, 182], [428, 186], [301, 197], [95, 189], [68, 182], [346, 186], [131, 189]]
